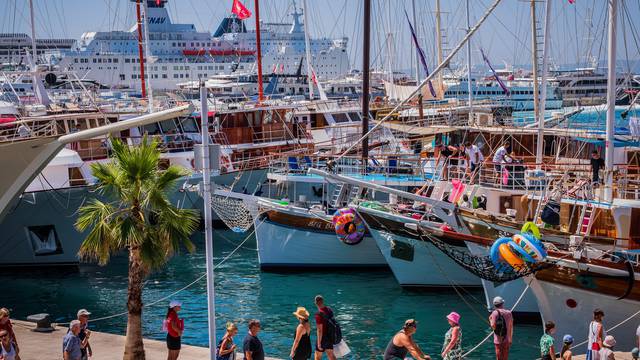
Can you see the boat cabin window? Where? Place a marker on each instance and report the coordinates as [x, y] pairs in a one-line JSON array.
[[151, 129], [189, 125], [355, 116], [168, 125], [340, 118]]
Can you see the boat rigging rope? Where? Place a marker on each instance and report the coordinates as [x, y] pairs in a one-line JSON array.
[[165, 298]]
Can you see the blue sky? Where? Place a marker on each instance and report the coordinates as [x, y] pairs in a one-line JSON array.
[[505, 37]]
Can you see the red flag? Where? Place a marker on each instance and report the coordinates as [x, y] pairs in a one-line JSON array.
[[240, 10]]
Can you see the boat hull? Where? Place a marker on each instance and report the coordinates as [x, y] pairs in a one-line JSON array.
[[426, 267], [292, 241]]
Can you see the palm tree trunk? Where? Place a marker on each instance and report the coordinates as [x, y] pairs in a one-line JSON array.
[[133, 347]]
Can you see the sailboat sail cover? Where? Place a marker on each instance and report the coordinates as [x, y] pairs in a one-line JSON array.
[[500, 82], [423, 59]]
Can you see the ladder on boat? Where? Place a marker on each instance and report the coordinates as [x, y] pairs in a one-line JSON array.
[[586, 219], [342, 193]]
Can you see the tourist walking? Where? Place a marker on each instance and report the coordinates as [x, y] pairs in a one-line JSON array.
[[71, 344], [452, 348], [252, 346], [301, 347], [402, 344], [85, 333], [5, 324], [7, 349], [174, 326], [606, 352], [596, 335], [565, 353], [226, 348], [327, 330], [547, 348], [501, 321]]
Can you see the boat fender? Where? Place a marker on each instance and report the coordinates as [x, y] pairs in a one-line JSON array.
[[530, 227], [630, 280]]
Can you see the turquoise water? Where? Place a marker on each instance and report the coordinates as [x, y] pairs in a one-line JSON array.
[[591, 118], [369, 304]]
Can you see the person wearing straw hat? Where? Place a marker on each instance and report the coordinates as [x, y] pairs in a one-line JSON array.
[[606, 353], [301, 347], [452, 349], [226, 348], [174, 327]]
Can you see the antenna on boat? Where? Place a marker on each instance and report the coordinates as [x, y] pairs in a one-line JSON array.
[[259, 51], [611, 101], [140, 51], [307, 47], [366, 52], [543, 83]]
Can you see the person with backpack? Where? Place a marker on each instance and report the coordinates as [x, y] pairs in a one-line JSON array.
[[327, 329], [501, 321]]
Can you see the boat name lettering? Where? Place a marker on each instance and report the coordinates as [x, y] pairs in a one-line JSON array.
[[157, 20]]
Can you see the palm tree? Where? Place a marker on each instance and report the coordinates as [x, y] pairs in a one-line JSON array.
[[139, 218]]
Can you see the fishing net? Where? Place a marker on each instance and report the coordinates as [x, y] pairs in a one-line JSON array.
[[235, 213], [482, 266]]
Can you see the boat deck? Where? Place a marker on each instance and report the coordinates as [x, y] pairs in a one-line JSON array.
[[48, 346]]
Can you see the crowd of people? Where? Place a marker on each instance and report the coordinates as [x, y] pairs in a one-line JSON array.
[[76, 341]]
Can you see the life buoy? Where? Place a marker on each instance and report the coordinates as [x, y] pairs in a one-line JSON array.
[[494, 253], [509, 257], [531, 246], [530, 227], [348, 226], [520, 252]]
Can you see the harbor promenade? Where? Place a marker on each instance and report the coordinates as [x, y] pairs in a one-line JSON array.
[[48, 346]]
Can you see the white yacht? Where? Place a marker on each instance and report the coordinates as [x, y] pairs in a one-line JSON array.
[[180, 53]]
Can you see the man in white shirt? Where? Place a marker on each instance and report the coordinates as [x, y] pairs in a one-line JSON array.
[[502, 156], [475, 158]]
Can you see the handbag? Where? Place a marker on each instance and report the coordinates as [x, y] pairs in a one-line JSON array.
[[341, 349]]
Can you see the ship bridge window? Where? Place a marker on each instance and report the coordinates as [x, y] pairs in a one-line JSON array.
[[340, 118], [44, 240]]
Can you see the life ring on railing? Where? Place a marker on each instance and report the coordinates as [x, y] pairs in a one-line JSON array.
[[349, 226], [530, 227]]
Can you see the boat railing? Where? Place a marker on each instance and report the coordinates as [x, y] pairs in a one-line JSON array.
[[28, 129], [628, 182]]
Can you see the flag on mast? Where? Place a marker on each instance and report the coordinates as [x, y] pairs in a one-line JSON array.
[[423, 59], [240, 10]]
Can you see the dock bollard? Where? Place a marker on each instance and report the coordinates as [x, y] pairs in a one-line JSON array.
[[43, 322]]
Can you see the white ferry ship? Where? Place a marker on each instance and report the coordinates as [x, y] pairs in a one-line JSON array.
[[180, 53]]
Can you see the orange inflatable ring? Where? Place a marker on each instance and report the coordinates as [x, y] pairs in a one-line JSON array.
[[509, 257]]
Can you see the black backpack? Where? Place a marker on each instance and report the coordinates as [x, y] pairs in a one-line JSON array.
[[500, 325], [332, 328]]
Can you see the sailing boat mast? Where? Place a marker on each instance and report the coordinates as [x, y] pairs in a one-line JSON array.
[[259, 51], [417, 56], [140, 52], [611, 101], [469, 87], [36, 82], [543, 84], [366, 47], [536, 94], [147, 50], [390, 52], [307, 47], [439, 41]]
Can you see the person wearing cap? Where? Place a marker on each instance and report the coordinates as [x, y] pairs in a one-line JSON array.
[[565, 353], [547, 348], [71, 344], [301, 347], [252, 346], [499, 316], [596, 335], [175, 327], [402, 344], [452, 348], [226, 348], [85, 333], [606, 352]]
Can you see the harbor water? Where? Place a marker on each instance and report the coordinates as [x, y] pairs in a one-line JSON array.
[[370, 305]]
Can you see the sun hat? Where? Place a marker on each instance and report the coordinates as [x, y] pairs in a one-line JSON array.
[[174, 303], [301, 313], [454, 317], [567, 339], [83, 312], [609, 341], [498, 301]]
